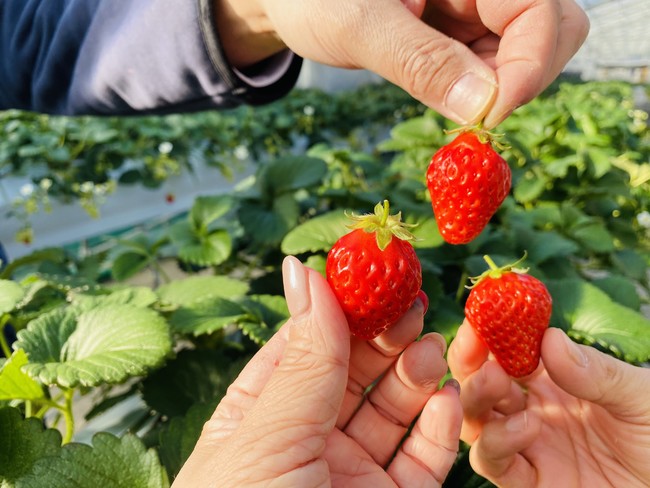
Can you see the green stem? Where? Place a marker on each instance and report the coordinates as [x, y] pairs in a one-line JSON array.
[[28, 408], [491, 263], [3, 341], [461, 286], [68, 416], [384, 217]]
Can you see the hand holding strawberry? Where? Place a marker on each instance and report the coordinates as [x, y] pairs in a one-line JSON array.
[[374, 272], [510, 311], [468, 181]]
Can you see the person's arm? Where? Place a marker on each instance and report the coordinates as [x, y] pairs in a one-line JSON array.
[[124, 57]]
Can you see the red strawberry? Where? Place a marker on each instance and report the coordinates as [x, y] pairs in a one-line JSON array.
[[510, 310], [374, 272], [468, 181]]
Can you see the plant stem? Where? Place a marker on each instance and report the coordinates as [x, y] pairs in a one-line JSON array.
[[491, 263], [3, 341], [461, 286], [68, 416], [384, 217], [28, 408]]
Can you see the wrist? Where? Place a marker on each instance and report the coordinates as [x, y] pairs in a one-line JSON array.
[[246, 33]]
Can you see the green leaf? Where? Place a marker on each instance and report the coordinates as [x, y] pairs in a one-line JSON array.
[[194, 288], [108, 344], [110, 462], [543, 245], [270, 312], [593, 236], [269, 226], [206, 316], [290, 173], [14, 384], [621, 290], [208, 209], [316, 234], [593, 317], [210, 250], [178, 438], [530, 186], [193, 376], [138, 296], [427, 234], [24, 442], [630, 263], [129, 264], [11, 294]]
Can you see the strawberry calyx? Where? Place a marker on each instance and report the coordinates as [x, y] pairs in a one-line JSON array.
[[496, 272], [383, 224], [484, 136]]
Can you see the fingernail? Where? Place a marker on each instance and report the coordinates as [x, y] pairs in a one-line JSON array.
[[453, 383], [469, 97], [438, 340], [517, 422], [425, 301], [296, 286], [575, 352]]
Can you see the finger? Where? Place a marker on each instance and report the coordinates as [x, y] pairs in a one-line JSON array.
[[591, 375], [391, 406], [467, 352], [370, 359], [297, 407], [243, 392], [481, 392], [384, 36], [526, 63], [496, 454], [427, 454]]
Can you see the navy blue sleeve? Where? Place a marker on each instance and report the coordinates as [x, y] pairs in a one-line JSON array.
[[118, 57]]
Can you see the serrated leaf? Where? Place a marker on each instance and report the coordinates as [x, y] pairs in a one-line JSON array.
[[593, 236], [206, 316], [543, 245], [211, 250], [530, 186], [594, 318], [138, 296], [110, 462], [316, 234], [269, 226], [24, 442], [14, 384], [11, 294], [104, 345], [193, 376], [178, 438], [621, 290], [188, 290], [270, 312], [128, 264], [290, 173], [208, 209]]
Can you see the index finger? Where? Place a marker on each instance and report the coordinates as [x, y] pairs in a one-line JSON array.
[[466, 352], [537, 39]]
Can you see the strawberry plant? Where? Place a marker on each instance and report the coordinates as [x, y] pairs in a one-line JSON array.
[[110, 380]]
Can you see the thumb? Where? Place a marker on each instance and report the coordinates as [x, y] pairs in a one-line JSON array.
[[297, 408], [441, 72], [591, 375]]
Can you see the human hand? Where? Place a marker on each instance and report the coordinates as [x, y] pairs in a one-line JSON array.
[[297, 415], [449, 54], [582, 419]]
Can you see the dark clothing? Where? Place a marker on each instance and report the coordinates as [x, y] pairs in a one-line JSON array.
[[120, 57]]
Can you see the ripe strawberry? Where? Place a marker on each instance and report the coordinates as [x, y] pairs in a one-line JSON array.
[[468, 181], [374, 272], [510, 310]]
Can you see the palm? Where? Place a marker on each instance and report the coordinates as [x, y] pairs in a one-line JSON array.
[[578, 441]]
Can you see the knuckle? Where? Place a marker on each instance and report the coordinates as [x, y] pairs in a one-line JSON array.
[[423, 66]]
